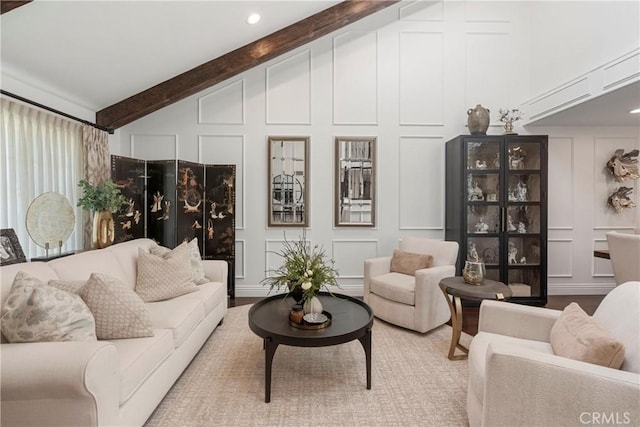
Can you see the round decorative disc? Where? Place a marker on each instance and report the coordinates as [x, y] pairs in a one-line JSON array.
[[50, 219]]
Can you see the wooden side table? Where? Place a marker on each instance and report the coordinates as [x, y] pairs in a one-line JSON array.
[[457, 288]]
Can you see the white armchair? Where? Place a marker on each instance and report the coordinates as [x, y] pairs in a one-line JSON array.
[[516, 380], [624, 251], [413, 302]]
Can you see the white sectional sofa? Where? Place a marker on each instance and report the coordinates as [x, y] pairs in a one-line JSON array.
[[106, 383]]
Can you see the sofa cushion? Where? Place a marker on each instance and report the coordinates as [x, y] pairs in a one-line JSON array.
[[126, 254], [81, 266], [211, 294], [161, 278], [577, 336], [180, 315], [139, 358], [72, 286], [34, 311], [395, 286], [408, 262], [118, 311], [478, 356], [195, 260]]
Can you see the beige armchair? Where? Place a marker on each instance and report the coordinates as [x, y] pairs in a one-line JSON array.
[[515, 379], [413, 302], [624, 251]]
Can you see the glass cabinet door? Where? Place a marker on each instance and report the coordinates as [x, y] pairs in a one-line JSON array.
[[483, 195], [523, 220]]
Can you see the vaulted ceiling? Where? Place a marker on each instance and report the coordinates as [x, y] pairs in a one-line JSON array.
[[128, 59], [125, 59]]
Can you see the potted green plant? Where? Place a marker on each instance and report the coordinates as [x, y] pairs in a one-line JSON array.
[[103, 200], [103, 197], [304, 272]]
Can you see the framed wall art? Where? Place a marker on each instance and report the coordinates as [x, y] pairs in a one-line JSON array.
[[10, 249], [355, 181], [288, 181]]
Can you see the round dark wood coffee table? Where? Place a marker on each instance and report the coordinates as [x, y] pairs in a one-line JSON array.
[[459, 289], [350, 319]]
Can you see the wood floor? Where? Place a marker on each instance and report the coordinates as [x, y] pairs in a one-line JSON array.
[[589, 303]]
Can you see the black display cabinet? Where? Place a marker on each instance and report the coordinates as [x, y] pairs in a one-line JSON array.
[[496, 209], [180, 201]]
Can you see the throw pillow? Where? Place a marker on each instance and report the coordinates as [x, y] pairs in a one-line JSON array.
[[118, 311], [34, 311], [195, 260], [575, 335], [161, 278], [159, 250], [197, 266], [408, 262]]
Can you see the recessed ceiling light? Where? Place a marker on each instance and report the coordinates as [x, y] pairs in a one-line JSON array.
[[636, 111], [253, 18]]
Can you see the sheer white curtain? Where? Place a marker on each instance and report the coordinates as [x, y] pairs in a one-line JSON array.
[[39, 152]]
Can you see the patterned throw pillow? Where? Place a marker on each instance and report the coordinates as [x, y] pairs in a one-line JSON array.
[[197, 266], [161, 278], [118, 311], [34, 311]]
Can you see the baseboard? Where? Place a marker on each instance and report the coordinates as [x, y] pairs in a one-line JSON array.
[[579, 288]]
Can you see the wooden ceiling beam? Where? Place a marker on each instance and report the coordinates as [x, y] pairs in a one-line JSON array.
[[237, 61], [6, 6]]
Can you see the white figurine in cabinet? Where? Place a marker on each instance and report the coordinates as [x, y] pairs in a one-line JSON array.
[[513, 252], [481, 226], [475, 192]]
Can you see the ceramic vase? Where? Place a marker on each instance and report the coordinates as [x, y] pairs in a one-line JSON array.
[[478, 120], [312, 305]]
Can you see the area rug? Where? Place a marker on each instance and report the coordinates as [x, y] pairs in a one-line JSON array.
[[413, 382]]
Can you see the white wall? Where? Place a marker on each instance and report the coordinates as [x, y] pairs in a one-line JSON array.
[[574, 37], [407, 76]]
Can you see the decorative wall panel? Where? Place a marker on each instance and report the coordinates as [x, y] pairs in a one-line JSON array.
[[350, 256], [225, 105], [606, 217], [561, 170], [226, 149], [480, 11], [423, 11], [154, 147], [288, 90], [355, 78], [601, 267], [487, 72], [421, 79], [560, 258], [421, 183], [240, 259]]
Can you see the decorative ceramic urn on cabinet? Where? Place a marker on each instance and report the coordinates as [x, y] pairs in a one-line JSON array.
[[478, 120]]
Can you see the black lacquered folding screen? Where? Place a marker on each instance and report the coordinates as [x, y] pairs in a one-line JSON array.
[[180, 201]]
